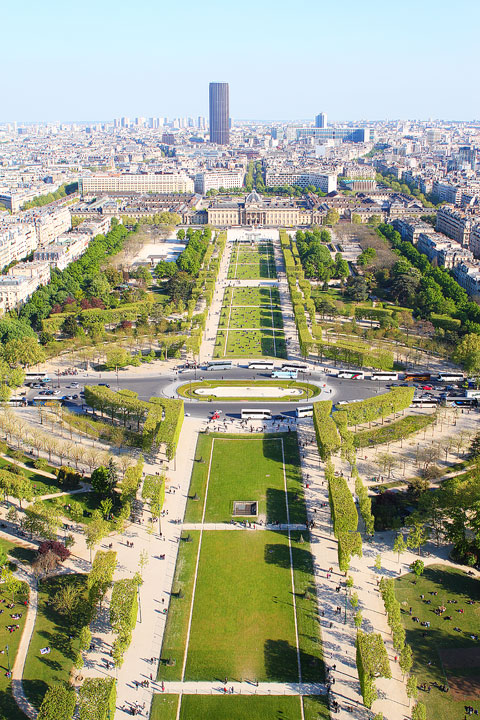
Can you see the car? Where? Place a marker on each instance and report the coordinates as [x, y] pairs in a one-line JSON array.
[[54, 392], [66, 397], [82, 394], [74, 397], [74, 385], [404, 385], [427, 387], [104, 385]]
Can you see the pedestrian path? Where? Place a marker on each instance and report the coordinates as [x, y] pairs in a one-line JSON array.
[[252, 525], [17, 671], [240, 688]]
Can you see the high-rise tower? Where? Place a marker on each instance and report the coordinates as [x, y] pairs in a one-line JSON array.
[[219, 113], [321, 120]]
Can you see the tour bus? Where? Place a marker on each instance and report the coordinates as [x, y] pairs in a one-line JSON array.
[[294, 366], [417, 377], [220, 365], [384, 375], [460, 402], [17, 401], [45, 400], [351, 375], [255, 414], [424, 402], [36, 377], [286, 374], [451, 377], [303, 411], [261, 365]]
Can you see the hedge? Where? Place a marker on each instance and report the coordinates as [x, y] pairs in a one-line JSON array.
[[97, 699], [364, 503], [344, 512], [397, 430], [372, 662], [355, 354], [162, 417], [59, 702], [328, 440], [123, 615], [101, 575], [372, 408], [393, 610], [445, 322], [349, 543]]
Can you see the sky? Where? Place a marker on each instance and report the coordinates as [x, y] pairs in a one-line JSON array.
[[284, 60]]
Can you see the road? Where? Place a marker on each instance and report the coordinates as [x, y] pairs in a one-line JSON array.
[[163, 385]]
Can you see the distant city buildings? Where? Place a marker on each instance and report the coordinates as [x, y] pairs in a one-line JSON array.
[[321, 120], [161, 183], [219, 106]]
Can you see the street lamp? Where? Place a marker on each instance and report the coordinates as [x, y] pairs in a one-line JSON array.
[[8, 660]]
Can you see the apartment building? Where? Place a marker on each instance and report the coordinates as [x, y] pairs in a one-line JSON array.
[[444, 192], [454, 223], [468, 276], [49, 222], [14, 291], [410, 230], [446, 253], [327, 183], [218, 179], [475, 240], [32, 270], [158, 183], [17, 240]]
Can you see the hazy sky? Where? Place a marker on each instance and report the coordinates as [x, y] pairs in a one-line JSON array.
[[354, 59]]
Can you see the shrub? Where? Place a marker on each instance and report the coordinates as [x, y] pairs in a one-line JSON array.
[[59, 702], [97, 699]]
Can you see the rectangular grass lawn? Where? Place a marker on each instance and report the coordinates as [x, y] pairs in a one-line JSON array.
[[255, 296], [247, 468], [243, 618], [239, 707], [431, 652]]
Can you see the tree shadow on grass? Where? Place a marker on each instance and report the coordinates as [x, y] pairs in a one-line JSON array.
[[24, 555], [35, 691], [281, 663]]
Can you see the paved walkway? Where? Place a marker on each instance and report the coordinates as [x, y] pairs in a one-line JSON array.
[[17, 670], [241, 526], [244, 688]]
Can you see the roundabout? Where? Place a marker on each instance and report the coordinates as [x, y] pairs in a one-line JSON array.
[[249, 390]]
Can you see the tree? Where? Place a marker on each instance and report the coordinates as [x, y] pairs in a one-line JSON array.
[[417, 567], [101, 480], [24, 352], [66, 600], [56, 547], [44, 565], [367, 257], [358, 619], [95, 531], [386, 462], [117, 358], [356, 288], [406, 659], [419, 711], [70, 326], [378, 563], [356, 219], [417, 535], [399, 546], [59, 702], [412, 689], [332, 217], [468, 353]]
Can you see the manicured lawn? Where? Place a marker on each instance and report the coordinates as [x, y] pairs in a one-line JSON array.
[[189, 390], [238, 707], [41, 485], [252, 263], [8, 706], [243, 622], [88, 500], [53, 630], [256, 343], [450, 584], [255, 296], [247, 468], [17, 552], [173, 646], [402, 428], [254, 317]]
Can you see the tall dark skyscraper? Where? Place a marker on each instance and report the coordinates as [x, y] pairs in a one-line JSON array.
[[219, 113]]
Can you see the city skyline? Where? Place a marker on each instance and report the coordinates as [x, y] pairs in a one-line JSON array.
[[372, 62]]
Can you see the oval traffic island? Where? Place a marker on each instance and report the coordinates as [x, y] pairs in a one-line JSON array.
[[248, 390]]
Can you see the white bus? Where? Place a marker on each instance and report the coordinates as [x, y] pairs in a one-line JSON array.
[[255, 414], [424, 402], [285, 374], [294, 366], [451, 377], [384, 376], [303, 411], [261, 365], [220, 365], [351, 375]]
